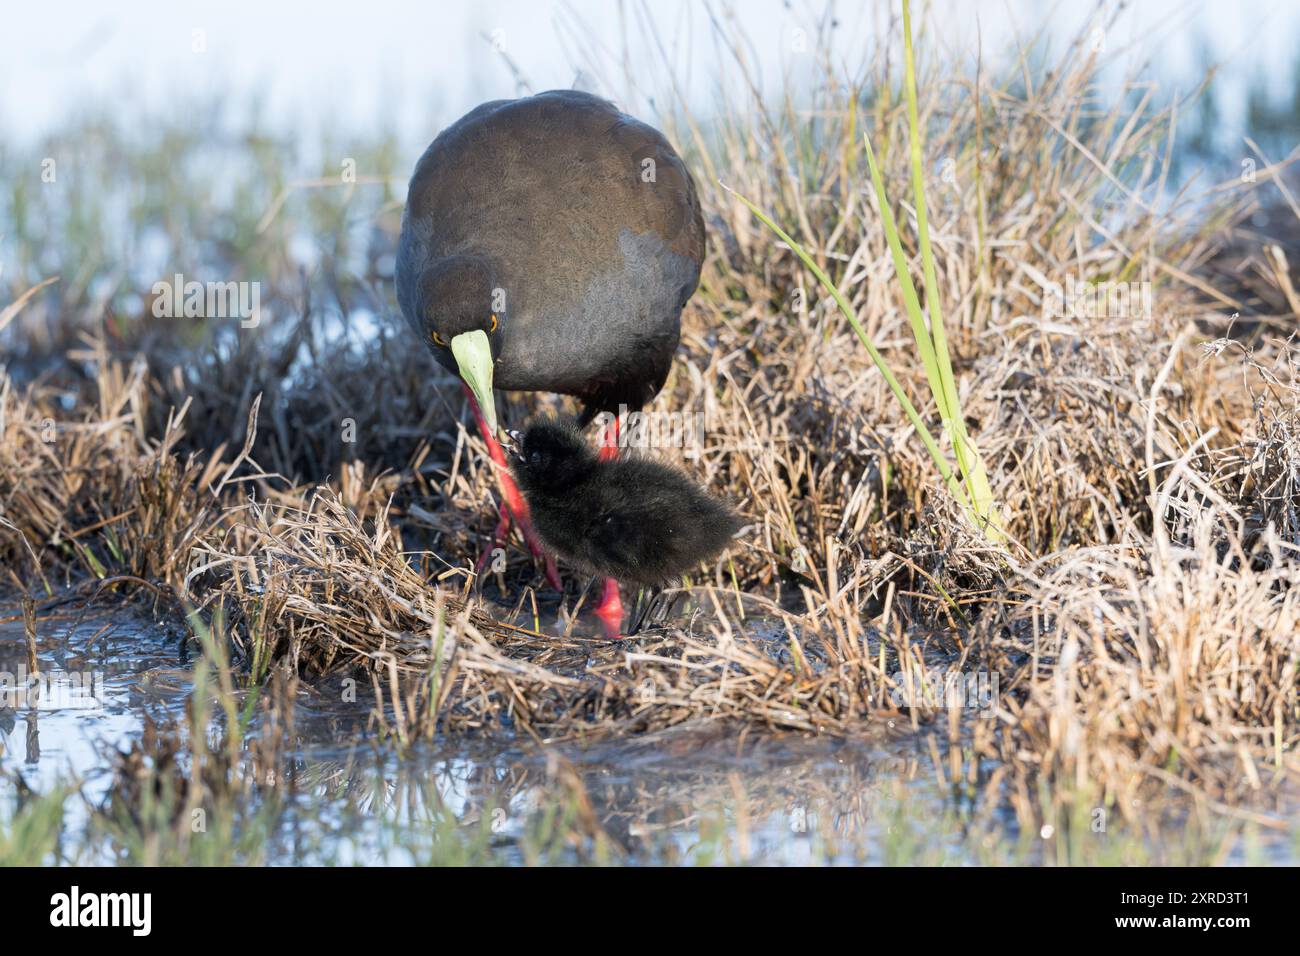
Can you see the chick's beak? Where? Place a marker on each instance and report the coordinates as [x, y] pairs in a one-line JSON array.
[[473, 354]]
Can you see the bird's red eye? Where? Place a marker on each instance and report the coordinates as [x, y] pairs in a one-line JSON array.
[[437, 340], [494, 323]]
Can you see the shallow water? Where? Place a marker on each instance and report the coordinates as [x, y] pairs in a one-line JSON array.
[[700, 794]]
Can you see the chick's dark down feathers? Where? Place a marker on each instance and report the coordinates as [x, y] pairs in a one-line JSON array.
[[631, 519]]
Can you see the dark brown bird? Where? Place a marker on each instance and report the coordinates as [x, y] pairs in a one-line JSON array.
[[549, 244], [630, 519]]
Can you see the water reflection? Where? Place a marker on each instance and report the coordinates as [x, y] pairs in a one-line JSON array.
[[335, 794]]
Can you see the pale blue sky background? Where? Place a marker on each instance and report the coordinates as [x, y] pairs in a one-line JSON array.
[[418, 65]]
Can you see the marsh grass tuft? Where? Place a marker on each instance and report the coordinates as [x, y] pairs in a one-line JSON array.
[[931, 340]]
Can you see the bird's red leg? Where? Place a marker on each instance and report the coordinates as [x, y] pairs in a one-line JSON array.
[[609, 440], [610, 610], [513, 503]]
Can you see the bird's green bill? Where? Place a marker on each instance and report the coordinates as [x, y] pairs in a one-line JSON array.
[[473, 353]]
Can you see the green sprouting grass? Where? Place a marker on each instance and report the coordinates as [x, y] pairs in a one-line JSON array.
[[969, 482]]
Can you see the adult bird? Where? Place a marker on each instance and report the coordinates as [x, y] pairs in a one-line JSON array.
[[549, 243]]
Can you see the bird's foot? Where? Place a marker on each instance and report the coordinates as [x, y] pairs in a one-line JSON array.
[[610, 611]]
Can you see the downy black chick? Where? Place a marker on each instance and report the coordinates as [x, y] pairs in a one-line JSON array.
[[630, 519]]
